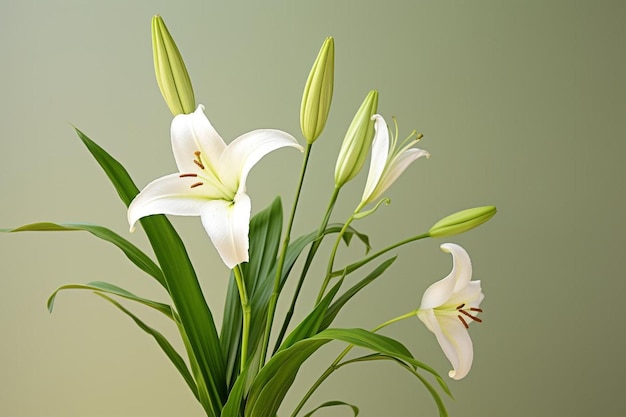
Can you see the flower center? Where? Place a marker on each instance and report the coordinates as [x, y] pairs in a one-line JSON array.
[[465, 312], [208, 176]]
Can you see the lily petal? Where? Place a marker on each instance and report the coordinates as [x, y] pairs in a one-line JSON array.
[[192, 133], [440, 292], [455, 342], [227, 224], [396, 167], [245, 151], [380, 152], [170, 195]]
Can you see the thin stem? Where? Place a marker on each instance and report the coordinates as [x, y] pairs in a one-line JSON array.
[[281, 260], [336, 365], [245, 307], [309, 259], [331, 261], [353, 267]]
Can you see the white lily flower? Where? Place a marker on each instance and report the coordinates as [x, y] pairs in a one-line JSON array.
[[449, 305], [388, 161], [211, 182]]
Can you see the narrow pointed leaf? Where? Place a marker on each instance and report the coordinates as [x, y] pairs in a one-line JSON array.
[[133, 253], [272, 383], [195, 315], [382, 344], [107, 288], [167, 348]]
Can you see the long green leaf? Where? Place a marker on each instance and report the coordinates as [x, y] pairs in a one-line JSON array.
[[382, 344], [167, 348], [265, 231], [334, 309], [107, 288], [133, 253], [195, 315], [272, 383], [354, 408]]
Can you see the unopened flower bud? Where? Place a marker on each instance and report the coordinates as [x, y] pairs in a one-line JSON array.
[[318, 93], [462, 221], [357, 141], [170, 70]]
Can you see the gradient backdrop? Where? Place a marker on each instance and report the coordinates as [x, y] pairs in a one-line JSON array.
[[522, 105]]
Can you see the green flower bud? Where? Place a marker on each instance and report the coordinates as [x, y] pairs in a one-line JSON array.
[[170, 70], [462, 221], [357, 141], [318, 93]]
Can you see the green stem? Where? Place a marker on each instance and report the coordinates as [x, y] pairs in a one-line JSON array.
[[281, 261], [336, 365], [245, 307], [331, 261], [309, 259], [353, 267]]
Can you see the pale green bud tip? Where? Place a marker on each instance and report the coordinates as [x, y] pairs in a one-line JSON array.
[[170, 70], [357, 141], [462, 221], [318, 93]]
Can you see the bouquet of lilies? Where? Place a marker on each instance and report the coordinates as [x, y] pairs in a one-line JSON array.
[[235, 371]]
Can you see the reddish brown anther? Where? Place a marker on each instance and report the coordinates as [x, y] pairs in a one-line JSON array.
[[196, 185], [197, 160], [464, 311]]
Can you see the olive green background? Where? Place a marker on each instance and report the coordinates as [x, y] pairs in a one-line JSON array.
[[522, 105]]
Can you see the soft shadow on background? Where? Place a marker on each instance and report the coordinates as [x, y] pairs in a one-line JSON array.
[[521, 103]]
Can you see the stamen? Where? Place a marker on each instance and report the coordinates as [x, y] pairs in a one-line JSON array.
[[480, 310], [196, 185], [470, 316], [463, 321], [419, 136], [460, 306], [197, 160], [188, 175]]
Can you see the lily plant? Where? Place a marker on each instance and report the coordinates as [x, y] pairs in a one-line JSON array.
[[230, 367]]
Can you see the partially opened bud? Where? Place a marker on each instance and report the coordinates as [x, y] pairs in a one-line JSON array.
[[318, 93], [170, 70], [462, 221], [357, 141]]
